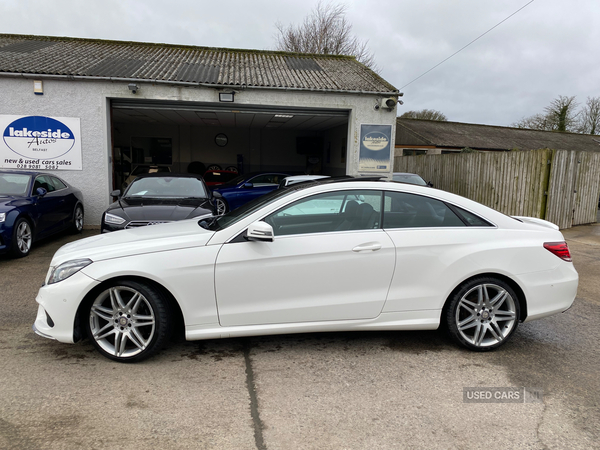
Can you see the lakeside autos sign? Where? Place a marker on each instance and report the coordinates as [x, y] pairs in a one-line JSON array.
[[375, 149], [39, 142]]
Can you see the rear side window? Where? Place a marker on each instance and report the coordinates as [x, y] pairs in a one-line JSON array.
[[471, 219], [58, 184], [403, 210]]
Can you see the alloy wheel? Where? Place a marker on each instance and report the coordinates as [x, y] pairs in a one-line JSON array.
[[221, 207], [122, 321], [24, 237], [486, 315], [78, 219]]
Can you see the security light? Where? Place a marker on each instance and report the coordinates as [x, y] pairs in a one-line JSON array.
[[226, 96]]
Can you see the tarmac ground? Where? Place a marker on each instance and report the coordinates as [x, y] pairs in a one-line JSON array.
[[363, 390]]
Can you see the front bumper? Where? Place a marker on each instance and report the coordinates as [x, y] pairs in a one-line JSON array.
[[60, 301]]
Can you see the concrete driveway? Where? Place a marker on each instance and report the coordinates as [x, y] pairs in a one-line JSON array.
[[370, 390]]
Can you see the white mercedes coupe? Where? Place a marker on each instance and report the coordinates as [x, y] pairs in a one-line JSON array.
[[331, 255]]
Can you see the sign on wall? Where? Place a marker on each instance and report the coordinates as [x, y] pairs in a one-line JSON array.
[[39, 142], [375, 148]]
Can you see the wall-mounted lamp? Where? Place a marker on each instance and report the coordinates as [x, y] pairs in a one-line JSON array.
[[38, 87], [226, 96], [133, 87]]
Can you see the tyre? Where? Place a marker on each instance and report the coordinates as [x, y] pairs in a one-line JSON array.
[[128, 321], [22, 238], [77, 226], [214, 167], [222, 206], [482, 314], [232, 169]]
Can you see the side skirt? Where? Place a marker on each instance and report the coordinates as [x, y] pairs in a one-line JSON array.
[[408, 320]]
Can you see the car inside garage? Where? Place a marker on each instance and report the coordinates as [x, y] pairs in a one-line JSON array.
[[194, 137]]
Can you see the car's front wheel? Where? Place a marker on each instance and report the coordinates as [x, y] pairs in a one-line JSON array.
[[22, 238], [128, 321], [482, 314], [221, 205]]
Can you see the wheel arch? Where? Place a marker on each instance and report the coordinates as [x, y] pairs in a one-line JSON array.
[[178, 321], [512, 283]]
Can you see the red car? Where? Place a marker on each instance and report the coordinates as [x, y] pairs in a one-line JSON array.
[[216, 177]]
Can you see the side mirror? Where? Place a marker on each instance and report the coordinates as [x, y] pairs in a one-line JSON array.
[[430, 184], [248, 185], [217, 195], [115, 193], [260, 231], [41, 191]]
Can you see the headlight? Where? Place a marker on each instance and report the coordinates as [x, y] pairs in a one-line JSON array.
[[112, 219], [2, 217], [66, 269]]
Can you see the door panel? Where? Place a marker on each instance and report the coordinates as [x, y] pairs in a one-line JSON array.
[[301, 278]]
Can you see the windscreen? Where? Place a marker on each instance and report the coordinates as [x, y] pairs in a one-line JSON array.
[[14, 184], [166, 187]]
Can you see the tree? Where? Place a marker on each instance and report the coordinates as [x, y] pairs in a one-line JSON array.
[[425, 114], [325, 31], [590, 116], [560, 115], [535, 122]]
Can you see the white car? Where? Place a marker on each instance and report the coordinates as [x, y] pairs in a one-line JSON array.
[[295, 179], [334, 255]]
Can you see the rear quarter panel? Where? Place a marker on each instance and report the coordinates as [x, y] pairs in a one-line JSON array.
[[431, 263]]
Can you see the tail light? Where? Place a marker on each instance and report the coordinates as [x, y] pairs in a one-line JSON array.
[[560, 249]]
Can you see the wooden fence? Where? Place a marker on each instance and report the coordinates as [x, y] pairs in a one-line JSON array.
[[557, 185]]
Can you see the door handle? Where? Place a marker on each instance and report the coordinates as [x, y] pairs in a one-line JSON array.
[[372, 246]]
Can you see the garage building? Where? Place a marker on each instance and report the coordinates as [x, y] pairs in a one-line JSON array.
[[111, 106]]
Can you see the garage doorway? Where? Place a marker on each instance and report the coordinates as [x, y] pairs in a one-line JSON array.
[[192, 137]]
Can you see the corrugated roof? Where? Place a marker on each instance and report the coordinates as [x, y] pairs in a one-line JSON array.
[[416, 132], [93, 58]]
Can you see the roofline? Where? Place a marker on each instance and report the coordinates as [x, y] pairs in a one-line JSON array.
[[392, 92], [176, 46], [495, 126], [413, 132], [188, 83]]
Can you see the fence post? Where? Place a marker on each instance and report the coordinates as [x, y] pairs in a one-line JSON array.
[[545, 191]]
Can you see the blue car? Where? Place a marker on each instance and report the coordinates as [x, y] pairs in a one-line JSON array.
[[35, 205], [244, 188]]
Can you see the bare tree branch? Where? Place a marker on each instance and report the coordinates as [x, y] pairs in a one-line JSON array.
[[560, 115], [325, 31], [590, 116]]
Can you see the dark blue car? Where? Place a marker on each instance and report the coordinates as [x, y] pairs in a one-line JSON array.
[[34, 205], [244, 188]]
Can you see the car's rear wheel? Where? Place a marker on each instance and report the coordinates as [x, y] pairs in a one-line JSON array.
[[128, 321], [482, 314], [77, 226], [22, 238], [222, 206]]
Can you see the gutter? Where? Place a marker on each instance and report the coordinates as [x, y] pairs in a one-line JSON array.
[[191, 84]]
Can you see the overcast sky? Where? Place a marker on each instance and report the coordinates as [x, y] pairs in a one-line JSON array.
[[550, 48]]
